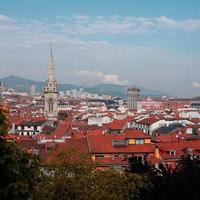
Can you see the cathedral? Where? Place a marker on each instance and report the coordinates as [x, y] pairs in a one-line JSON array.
[[51, 92]]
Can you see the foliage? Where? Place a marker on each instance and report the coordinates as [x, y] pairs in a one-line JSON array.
[[19, 170], [181, 183], [4, 122], [78, 179]]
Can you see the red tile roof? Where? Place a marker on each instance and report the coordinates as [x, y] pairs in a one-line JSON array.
[[103, 144], [117, 124], [78, 144], [179, 147], [149, 120], [111, 161]]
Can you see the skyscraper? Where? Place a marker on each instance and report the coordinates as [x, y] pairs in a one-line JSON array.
[[51, 92], [32, 90], [133, 96]]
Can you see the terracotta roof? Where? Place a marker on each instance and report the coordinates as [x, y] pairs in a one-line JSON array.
[[179, 147], [149, 120], [135, 134], [79, 144], [103, 144], [117, 124], [112, 161]]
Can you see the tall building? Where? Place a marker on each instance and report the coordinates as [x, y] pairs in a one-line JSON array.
[[32, 90], [51, 92], [133, 97]]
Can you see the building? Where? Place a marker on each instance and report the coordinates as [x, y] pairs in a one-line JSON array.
[[29, 127], [51, 92], [196, 104], [32, 90], [115, 150], [133, 96]]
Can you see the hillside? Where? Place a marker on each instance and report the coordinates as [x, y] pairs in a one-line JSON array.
[[21, 85]]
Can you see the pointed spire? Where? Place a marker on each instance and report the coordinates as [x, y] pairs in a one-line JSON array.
[[51, 73], [51, 54]]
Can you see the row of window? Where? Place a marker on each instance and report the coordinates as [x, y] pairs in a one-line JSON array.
[[173, 152], [22, 127]]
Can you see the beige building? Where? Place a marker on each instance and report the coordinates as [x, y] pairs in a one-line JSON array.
[[133, 97], [51, 92]]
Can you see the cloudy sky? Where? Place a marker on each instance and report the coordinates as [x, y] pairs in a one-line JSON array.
[[153, 44]]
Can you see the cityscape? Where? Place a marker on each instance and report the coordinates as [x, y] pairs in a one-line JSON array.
[[99, 134]]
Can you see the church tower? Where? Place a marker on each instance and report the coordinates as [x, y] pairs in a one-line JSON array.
[[51, 92]]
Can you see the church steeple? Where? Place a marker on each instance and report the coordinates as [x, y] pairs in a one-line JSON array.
[[50, 93], [51, 74], [51, 80]]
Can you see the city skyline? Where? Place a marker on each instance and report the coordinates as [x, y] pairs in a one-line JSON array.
[[153, 45]]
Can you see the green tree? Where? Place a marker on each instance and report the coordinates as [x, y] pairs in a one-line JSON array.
[[74, 176], [181, 183], [18, 169]]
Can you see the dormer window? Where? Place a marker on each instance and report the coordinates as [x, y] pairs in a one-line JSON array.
[[139, 141], [190, 151], [172, 152]]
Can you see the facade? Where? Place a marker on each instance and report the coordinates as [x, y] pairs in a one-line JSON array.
[[51, 92], [133, 96], [29, 127], [115, 150], [32, 90]]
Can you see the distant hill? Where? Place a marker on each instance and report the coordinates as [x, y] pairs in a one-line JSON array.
[[119, 90], [21, 85]]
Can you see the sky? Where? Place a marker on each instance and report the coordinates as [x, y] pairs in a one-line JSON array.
[[153, 44]]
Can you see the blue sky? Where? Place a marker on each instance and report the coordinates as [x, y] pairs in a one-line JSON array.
[[153, 44]]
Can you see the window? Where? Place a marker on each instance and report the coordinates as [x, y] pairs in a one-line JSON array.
[[189, 151], [99, 155], [50, 105], [172, 152], [139, 141]]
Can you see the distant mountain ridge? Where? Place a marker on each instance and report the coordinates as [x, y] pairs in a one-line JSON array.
[[21, 85]]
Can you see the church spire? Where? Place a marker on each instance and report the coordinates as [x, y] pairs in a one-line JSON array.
[[51, 54], [51, 84], [51, 72]]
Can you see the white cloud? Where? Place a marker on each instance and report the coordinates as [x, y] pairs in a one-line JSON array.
[[104, 78], [196, 85], [24, 46], [190, 25], [4, 18], [85, 25], [166, 22], [82, 25]]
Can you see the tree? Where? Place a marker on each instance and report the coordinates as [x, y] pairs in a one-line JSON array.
[[19, 170], [78, 179], [181, 183]]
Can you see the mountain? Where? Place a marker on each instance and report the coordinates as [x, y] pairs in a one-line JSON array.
[[21, 85], [120, 90]]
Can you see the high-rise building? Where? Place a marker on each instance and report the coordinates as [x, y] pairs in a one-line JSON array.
[[32, 90], [2, 87], [51, 92], [133, 97]]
